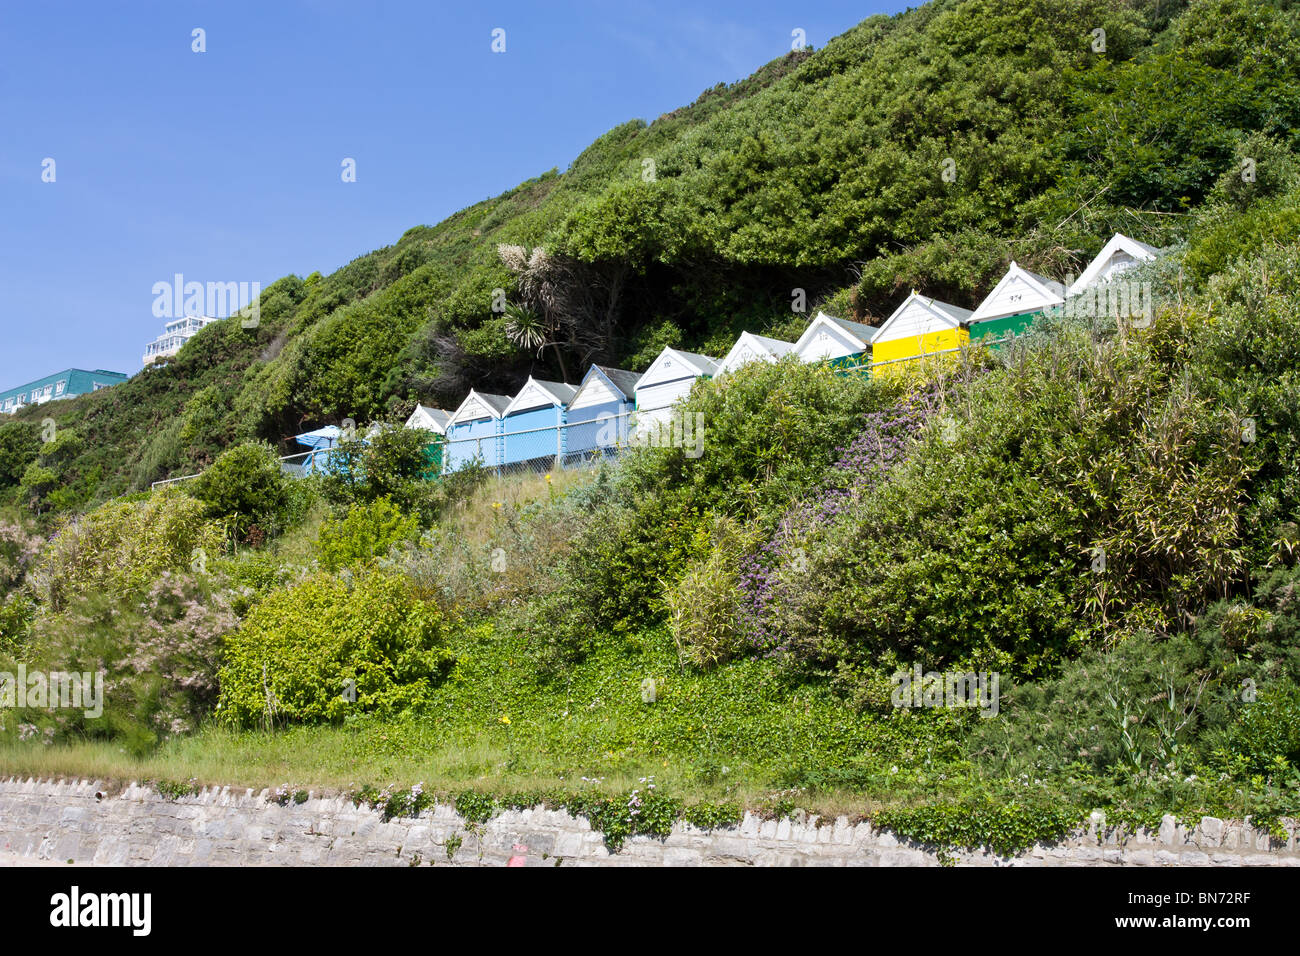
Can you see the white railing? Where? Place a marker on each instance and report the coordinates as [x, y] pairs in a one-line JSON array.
[[168, 481], [568, 445]]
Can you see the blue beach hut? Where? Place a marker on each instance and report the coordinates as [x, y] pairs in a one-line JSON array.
[[474, 431], [601, 410], [534, 421]]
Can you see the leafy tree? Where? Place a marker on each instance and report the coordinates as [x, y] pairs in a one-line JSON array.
[[20, 443], [392, 462], [245, 489]]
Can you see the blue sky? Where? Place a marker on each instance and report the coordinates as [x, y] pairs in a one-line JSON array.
[[225, 166]]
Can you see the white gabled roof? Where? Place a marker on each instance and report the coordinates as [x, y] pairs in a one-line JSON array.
[[826, 331], [673, 364], [920, 315], [1117, 255], [604, 384], [538, 394], [750, 348], [430, 419], [479, 405], [620, 378], [1019, 291]]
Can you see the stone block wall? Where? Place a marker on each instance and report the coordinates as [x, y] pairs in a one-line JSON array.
[[47, 820]]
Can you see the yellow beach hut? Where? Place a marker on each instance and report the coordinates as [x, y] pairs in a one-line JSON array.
[[920, 327]]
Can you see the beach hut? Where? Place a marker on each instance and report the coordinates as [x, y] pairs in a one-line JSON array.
[[1117, 256], [321, 440], [434, 421], [430, 419], [753, 348], [1018, 298], [532, 423], [668, 380], [838, 341], [474, 431], [601, 410], [919, 327]]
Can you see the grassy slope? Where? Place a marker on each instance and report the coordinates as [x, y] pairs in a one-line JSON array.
[[735, 734]]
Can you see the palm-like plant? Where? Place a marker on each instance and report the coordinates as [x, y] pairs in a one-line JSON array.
[[524, 327]]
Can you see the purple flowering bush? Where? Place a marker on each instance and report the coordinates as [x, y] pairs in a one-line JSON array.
[[767, 433], [768, 574]]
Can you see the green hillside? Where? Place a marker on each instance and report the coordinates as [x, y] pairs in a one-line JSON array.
[[1103, 516], [824, 171]]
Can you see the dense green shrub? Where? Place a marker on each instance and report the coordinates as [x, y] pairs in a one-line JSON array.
[[53, 481], [1265, 738], [1085, 488], [768, 431], [20, 443], [1245, 353], [327, 647], [246, 490], [1230, 235], [364, 533], [388, 462]]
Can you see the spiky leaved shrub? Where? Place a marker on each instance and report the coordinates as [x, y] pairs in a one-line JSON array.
[[704, 603], [158, 650], [122, 546]]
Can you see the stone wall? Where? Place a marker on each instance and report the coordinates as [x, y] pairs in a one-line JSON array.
[[84, 822]]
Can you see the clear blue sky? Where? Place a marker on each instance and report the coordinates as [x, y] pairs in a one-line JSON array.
[[225, 166]]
